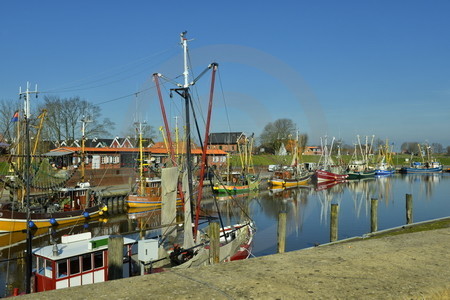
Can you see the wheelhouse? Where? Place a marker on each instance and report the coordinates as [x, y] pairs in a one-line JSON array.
[[78, 260]]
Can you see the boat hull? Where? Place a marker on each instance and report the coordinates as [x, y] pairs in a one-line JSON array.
[[17, 221], [361, 175], [421, 170], [384, 172], [233, 189], [279, 182], [135, 201], [323, 176]]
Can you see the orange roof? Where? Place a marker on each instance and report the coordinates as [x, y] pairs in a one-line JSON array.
[[147, 150]]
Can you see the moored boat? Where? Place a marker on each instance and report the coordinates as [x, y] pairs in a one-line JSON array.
[[418, 167], [361, 174], [293, 175], [78, 260], [322, 176]]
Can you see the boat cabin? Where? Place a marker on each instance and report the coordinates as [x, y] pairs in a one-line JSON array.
[[78, 260]]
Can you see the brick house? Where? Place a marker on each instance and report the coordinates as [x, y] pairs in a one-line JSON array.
[[226, 141]]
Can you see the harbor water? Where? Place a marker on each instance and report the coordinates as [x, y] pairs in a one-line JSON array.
[[304, 212]]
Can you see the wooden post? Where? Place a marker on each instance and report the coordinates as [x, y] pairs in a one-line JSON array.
[[214, 242], [334, 222], [281, 232], [409, 206], [373, 215], [115, 257]]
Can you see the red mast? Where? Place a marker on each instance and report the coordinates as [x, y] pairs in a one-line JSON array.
[[205, 147], [166, 124]]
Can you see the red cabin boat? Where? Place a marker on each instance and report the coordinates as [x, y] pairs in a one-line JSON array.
[[78, 260]]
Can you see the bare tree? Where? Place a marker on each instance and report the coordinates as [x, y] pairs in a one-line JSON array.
[[437, 148], [7, 110], [148, 133], [410, 147], [64, 116]]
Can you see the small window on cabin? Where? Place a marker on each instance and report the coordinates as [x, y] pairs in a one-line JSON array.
[[98, 260], [61, 268], [40, 265], [74, 265], [44, 267], [87, 262], [220, 147]]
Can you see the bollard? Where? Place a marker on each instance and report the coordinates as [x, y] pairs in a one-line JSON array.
[[373, 215], [334, 222], [115, 257], [409, 206], [281, 232], [214, 242]]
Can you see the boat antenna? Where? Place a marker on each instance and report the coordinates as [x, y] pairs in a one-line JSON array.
[[26, 96]]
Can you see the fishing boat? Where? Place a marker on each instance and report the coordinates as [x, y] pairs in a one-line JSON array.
[[148, 193], [384, 166], [293, 175], [361, 174], [359, 167], [427, 164], [39, 198], [384, 169], [327, 169], [195, 247], [79, 259], [244, 181], [419, 167]]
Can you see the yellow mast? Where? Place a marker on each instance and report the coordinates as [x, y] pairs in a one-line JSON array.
[[38, 134]]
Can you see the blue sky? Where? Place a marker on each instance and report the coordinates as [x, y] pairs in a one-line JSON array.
[[336, 68]]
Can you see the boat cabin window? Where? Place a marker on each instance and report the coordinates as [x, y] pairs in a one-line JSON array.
[[87, 262], [98, 259], [61, 268], [74, 265], [44, 267]]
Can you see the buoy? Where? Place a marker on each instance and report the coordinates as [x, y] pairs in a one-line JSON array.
[[53, 221], [86, 214], [31, 224]]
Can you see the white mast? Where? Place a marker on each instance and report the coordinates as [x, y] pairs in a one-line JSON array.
[[185, 50]]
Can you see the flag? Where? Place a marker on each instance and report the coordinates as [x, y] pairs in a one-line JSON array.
[[15, 118]]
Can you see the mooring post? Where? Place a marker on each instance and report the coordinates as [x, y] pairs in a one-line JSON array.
[[409, 206], [334, 222], [214, 242], [281, 232], [115, 257], [373, 215]]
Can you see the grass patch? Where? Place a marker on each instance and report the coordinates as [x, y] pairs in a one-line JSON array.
[[416, 228]]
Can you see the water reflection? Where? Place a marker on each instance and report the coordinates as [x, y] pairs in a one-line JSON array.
[[286, 219]]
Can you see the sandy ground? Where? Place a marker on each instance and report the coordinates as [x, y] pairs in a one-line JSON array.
[[406, 266]]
